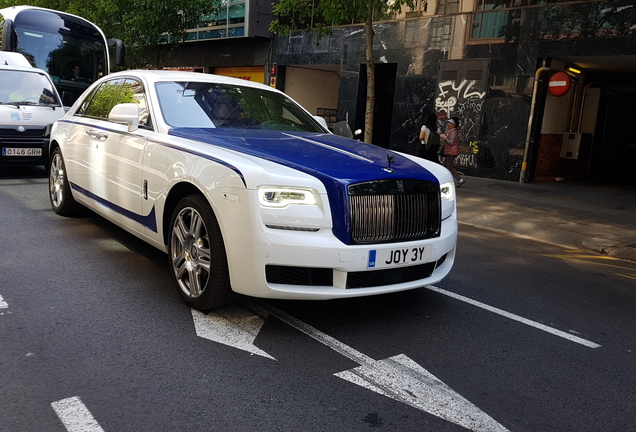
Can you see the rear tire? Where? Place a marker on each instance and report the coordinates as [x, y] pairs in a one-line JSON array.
[[198, 261], [60, 194]]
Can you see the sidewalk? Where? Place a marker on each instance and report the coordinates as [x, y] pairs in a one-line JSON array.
[[576, 214]]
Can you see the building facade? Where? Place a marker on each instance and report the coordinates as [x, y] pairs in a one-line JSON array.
[[542, 87], [234, 42]]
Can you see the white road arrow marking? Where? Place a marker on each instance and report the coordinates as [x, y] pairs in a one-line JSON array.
[[402, 379], [233, 326], [75, 415], [3, 304], [398, 377]]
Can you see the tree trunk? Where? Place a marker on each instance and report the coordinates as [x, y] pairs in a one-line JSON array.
[[368, 114]]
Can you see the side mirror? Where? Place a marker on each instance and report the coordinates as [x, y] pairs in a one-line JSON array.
[[9, 39], [322, 121], [126, 113], [120, 51]]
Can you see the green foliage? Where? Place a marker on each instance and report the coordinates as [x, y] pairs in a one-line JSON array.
[[323, 14], [139, 23], [107, 97], [103, 101]]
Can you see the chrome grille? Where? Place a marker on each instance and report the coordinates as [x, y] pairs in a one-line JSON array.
[[394, 210]]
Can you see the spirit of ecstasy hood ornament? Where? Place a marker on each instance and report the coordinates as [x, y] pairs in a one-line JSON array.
[[390, 160]]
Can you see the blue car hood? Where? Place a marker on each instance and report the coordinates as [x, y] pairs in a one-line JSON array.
[[325, 156]]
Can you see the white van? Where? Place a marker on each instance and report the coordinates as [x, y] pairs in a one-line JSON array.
[[29, 105]]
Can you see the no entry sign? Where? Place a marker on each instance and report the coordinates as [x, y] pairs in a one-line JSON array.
[[559, 84]]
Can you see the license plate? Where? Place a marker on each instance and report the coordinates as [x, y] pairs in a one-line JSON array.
[[383, 258], [21, 151]]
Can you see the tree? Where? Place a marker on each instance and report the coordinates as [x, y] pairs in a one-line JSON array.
[[325, 14], [141, 24]]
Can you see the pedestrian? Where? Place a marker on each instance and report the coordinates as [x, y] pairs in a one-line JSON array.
[[429, 138], [450, 148]]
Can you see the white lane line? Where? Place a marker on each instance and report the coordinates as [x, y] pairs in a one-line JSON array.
[[263, 309], [3, 304], [518, 318], [75, 416]]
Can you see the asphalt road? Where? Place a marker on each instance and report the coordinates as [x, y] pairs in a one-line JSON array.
[[523, 336]]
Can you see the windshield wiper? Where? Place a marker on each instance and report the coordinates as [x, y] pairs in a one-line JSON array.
[[19, 103]]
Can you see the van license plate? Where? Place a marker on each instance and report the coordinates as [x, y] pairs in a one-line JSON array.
[[21, 151]]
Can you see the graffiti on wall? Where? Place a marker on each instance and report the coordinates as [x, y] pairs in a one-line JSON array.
[[463, 99]]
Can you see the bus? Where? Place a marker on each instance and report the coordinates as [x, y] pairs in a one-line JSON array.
[[72, 50]]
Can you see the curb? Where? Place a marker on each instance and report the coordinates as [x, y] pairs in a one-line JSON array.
[[609, 248]]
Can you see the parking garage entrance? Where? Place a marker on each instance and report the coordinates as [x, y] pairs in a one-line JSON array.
[[588, 132]]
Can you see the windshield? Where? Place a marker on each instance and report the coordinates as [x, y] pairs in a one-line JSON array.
[[26, 88], [207, 105], [72, 51], [59, 55]]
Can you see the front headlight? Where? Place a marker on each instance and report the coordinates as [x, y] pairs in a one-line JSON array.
[[282, 196], [447, 193]]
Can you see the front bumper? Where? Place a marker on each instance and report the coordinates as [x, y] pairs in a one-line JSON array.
[[27, 148], [296, 265]]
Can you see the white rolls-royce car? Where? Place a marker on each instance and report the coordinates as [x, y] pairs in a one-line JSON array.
[[248, 193]]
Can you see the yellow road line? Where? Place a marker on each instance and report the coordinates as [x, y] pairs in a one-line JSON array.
[[586, 259]]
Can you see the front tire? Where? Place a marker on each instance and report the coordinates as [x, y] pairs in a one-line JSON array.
[[60, 195], [198, 261]]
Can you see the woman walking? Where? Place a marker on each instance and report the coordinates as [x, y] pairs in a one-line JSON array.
[[429, 139], [450, 141]]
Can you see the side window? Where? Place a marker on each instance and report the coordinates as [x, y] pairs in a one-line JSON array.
[[82, 109], [103, 100], [133, 91]]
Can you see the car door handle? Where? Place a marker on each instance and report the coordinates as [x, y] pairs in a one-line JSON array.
[[97, 135]]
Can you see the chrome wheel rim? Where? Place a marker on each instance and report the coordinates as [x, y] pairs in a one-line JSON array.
[[190, 252], [57, 178]]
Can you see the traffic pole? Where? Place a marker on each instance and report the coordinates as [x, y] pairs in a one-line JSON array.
[[535, 90]]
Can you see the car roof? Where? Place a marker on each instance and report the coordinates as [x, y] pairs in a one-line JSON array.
[[157, 75], [9, 58], [23, 69]]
